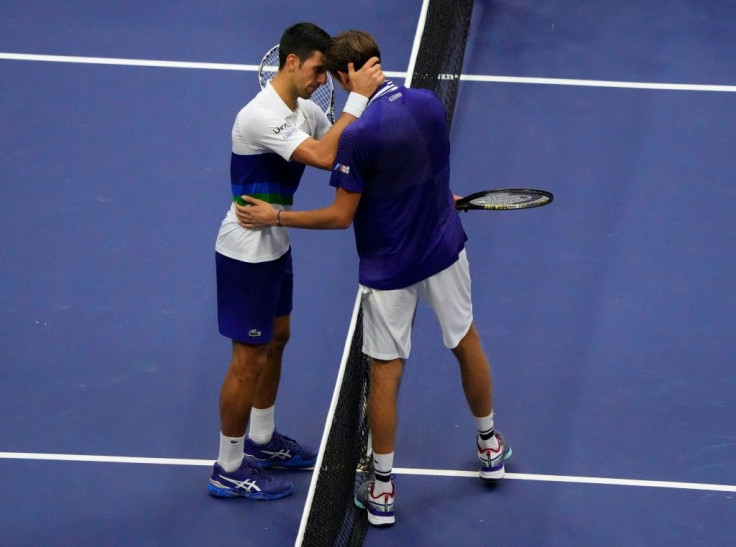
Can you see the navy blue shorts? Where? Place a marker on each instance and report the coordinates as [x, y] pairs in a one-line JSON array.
[[251, 295]]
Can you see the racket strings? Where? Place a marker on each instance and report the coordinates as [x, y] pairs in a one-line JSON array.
[[509, 199], [269, 67], [323, 95]]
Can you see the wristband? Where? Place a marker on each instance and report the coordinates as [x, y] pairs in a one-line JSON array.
[[355, 105], [278, 218]]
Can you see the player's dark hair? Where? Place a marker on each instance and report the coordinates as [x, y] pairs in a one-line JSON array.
[[351, 46], [302, 39]]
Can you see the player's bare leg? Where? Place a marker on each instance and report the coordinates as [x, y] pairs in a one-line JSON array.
[[385, 380], [475, 371]]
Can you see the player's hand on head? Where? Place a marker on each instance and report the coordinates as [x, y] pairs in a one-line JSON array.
[[366, 80]]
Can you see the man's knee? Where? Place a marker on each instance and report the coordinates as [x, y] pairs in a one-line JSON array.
[[471, 340], [281, 331], [249, 356]]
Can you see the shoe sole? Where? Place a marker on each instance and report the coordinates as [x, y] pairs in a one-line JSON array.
[[229, 493], [380, 521], [359, 504], [373, 519], [265, 464]]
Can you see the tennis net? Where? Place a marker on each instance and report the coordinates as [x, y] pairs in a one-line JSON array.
[[330, 517], [440, 52]]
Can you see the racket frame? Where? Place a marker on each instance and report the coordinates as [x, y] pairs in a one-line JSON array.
[[465, 204]]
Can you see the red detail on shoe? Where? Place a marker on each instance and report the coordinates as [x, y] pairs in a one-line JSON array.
[[387, 496], [494, 450]]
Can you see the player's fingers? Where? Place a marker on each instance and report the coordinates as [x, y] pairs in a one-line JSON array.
[[369, 64], [373, 61]]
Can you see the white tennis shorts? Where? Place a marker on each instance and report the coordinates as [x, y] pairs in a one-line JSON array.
[[388, 316]]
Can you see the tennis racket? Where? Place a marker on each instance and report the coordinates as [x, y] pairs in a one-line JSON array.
[[323, 96], [504, 200]]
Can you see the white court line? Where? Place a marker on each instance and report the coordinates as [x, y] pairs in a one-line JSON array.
[[123, 62], [101, 459], [139, 62], [464, 77], [398, 471], [417, 40], [573, 479], [599, 83]]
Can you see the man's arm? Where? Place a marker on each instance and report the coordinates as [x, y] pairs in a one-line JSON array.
[[337, 216], [321, 153]]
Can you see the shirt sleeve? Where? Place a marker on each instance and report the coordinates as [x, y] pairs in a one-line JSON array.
[[348, 171], [258, 131]]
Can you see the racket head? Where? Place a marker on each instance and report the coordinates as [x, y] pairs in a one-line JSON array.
[[269, 66], [323, 96], [505, 199]]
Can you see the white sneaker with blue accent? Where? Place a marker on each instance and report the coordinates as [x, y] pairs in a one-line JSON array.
[[380, 507], [492, 459]]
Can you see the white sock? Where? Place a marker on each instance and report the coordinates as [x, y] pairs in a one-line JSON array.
[[231, 452], [261, 425], [485, 428], [383, 464]]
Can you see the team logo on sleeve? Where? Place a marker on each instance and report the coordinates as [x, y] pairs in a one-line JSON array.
[[342, 168]]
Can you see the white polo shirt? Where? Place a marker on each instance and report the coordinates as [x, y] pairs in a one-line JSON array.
[[265, 134]]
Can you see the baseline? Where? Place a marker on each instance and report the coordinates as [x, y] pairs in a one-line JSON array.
[[391, 74], [398, 471]]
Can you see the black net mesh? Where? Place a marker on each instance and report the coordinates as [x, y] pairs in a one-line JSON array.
[[333, 518], [441, 52]]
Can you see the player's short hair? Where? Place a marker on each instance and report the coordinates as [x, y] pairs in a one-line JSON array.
[[302, 39], [351, 46]]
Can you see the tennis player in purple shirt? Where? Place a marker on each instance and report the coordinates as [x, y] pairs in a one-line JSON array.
[[392, 184]]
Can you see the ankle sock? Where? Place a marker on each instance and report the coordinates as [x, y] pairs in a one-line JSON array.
[[231, 452], [382, 464], [261, 425], [486, 432]]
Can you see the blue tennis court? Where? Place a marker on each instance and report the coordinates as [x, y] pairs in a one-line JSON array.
[[608, 316]]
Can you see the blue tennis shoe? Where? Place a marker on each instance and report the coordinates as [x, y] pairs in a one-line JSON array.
[[247, 482], [282, 451]]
